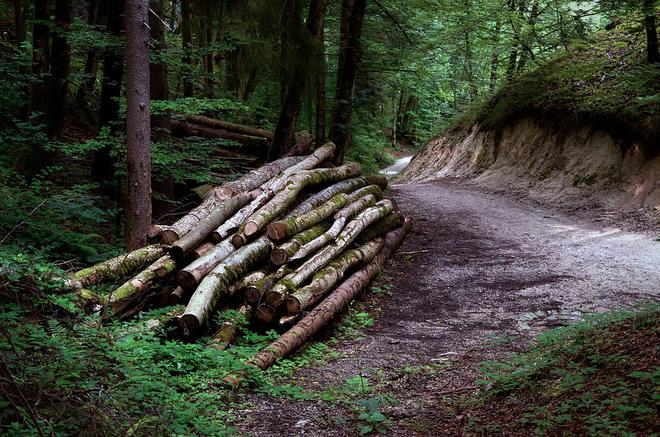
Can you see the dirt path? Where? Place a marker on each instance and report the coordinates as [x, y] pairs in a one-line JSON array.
[[478, 267]]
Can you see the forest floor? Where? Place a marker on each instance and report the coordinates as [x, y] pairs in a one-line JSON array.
[[480, 275]]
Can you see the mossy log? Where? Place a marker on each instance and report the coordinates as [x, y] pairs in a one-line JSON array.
[[226, 333], [286, 322], [207, 225], [214, 287], [247, 281], [255, 178], [321, 154], [326, 194], [234, 223], [381, 227], [287, 195], [133, 290], [332, 305], [190, 277], [232, 127], [255, 291], [281, 254], [341, 217], [117, 267], [282, 229], [329, 276], [291, 282]]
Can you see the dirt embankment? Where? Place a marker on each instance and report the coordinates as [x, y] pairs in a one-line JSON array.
[[579, 166]]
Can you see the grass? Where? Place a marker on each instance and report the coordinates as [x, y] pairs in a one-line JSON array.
[[599, 377]]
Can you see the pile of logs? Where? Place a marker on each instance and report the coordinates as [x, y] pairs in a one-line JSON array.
[[288, 244]]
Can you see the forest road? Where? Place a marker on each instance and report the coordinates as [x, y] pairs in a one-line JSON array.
[[477, 269]]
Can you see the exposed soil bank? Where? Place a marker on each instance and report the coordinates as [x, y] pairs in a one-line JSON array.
[[547, 162], [477, 268]]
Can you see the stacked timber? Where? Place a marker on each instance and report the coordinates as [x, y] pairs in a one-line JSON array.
[[288, 245]]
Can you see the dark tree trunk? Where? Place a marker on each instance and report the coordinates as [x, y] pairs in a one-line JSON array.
[[19, 23], [526, 50], [113, 70], [96, 15], [341, 131], [40, 54], [320, 90], [60, 57], [652, 53], [495, 56], [138, 126], [250, 83], [283, 136], [186, 36], [515, 48]]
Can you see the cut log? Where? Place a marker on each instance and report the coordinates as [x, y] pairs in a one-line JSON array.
[[190, 277], [331, 234], [184, 129], [255, 291], [155, 232], [227, 332], [281, 254], [330, 275], [117, 267], [215, 285], [285, 198], [326, 310], [282, 229], [132, 291], [381, 227], [247, 281], [265, 313], [289, 283], [234, 223], [317, 157], [175, 297], [255, 178], [206, 226], [286, 322], [233, 127], [326, 194], [202, 249]]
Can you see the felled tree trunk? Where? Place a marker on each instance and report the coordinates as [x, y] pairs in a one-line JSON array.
[[326, 310], [215, 286], [183, 129], [206, 226], [234, 223], [280, 255], [284, 198], [330, 275], [381, 227], [317, 157], [340, 221], [255, 291], [116, 267], [133, 290], [201, 250], [226, 334], [232, 127], [326, 194], [189, 277]]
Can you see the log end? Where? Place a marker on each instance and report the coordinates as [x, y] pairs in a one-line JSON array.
[[189, 324], [273, 298], [276, 231], [279, 257], [265, 313], [177, 253], [379, 180], [251, 228], [186, 280], [224, 193], [238, 241], [252, 295], [216, 237], [169, 237], [292, 305], [154, 232]]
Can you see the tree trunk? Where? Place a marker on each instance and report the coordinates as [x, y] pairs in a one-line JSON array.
[[320, 89], [235, 223], [135, 289], [186, 36], [341, 130], [281, 254], [495, 56], [19, 23], [526, 45], [326, 310], [255, 291], [40, 55], [206, 226], [652, 53], [226, 334], [202, 250], [138, 126], [380, 228], [183, 129], [287, 196], [329, 276], [116, 267], [515, 48], [97, 15], [215, 286], [276, 296], [158, 85], [60, 57], [231, 127], [113, 70], [190, 277]]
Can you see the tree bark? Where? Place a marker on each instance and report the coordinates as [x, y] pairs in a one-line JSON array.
[[231, 127], [214, 287], [326, 310], [186, 37], [40, 55], [320, 89], [234, 224], [158, 85], [183, 129], [60, 58], [138, 126], [326, 278], [116, 267], [255, 291], [284, 198], [380, 228], [19, 23], [341, 130], [97, 15], [227, 332], [206, 226], [190, 277], [202, 250], [495, 56], [281, 254], [652, 52]]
